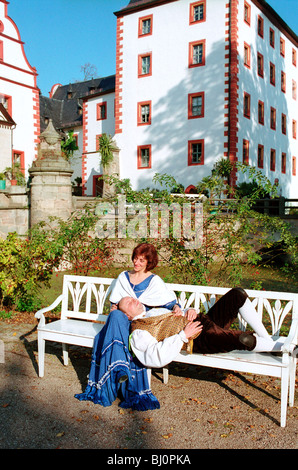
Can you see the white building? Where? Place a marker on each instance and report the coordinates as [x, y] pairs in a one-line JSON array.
[[19, 95], [198, 80]]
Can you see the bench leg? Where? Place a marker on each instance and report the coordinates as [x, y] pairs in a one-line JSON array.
[[41, 353], [165, 372], [284, 396], [292, 381], [65, 354]]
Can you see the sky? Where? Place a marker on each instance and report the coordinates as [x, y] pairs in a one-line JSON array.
[[61, 36]]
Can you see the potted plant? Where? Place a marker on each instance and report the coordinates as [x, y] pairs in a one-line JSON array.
[[2, 181], [15, 175]]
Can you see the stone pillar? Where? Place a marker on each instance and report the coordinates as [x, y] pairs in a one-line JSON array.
[[51, 189]]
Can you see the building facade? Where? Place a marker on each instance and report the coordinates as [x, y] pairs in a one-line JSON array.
[[19, 95], [198, 80]]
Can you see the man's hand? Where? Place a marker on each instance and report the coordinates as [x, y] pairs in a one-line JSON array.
[[193, 329]]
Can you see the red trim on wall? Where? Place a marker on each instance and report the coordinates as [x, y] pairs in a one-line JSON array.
[[36, 121], [119, 76], [85, 143], [231, 86]]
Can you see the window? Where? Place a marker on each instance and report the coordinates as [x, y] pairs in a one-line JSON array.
[[97, 142], [7, 103], [145, 65], [294, 57], [196, 152], [260, 65], [261, 112], [197, 12], [144, 113], [245, 152], [144, 156], [272, 160], [260, 156], [273, 118], [246, 55], [294, 90], [272, 74], [283, 82], [283, 162], [197, 53], [18, 158], [283, 123], [260, 26], [247, 13], [145, 25], [196, 105], [101, 112], [294, 129], [282, 47], [271, 37], [246, 105], [1, 50], [294, 166]]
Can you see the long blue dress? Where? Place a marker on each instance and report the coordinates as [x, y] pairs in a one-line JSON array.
[[112, 359]]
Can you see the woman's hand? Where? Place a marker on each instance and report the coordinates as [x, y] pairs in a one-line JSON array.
[[177, 311], [191, 314]]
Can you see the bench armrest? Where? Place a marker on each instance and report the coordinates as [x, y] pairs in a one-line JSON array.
[[291, 341], [40, 314]]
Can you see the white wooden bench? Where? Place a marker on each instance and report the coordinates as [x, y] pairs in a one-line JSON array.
[[82, 306]]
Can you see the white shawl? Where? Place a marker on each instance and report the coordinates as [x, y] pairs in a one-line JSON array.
[[156, 294]]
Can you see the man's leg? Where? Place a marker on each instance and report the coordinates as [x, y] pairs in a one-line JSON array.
[[226, 309]]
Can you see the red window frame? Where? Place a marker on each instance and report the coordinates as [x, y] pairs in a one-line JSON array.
[[139, 154], [294, 129], [261, 108], [140, 70], [294, 57], [140, 29], [260, 156], [190, 152], [247, 55], [283, 123], [139, 113], [260, 26], [283, 81], [260, 64], [272, 159], [1, 50], [21, 157], [283, 162], [191, 96], [99, 111], [8, 100], [272, 37], [294, 90], [192, 7], [190, 55], [246, 105], [272, 118], [272, 75], [245, 152], [282, 47], [247, 13], [294, 166]]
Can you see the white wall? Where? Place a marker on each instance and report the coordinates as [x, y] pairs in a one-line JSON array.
[[261, 89], [168, 89]]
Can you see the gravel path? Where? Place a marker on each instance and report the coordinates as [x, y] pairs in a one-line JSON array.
[[201, 408]]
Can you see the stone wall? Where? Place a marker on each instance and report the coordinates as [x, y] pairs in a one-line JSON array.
[[14, 210]]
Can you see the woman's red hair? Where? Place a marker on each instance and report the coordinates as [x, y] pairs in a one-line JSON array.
[[149, 252]]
